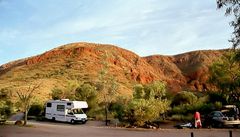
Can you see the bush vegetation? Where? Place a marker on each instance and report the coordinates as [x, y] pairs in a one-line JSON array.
[[151, 102], [6, 106], [36, 110]]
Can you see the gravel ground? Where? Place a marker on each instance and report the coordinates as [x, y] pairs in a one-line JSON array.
[[96, 129]]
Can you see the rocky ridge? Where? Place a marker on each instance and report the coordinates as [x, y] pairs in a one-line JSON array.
[[83, 61]]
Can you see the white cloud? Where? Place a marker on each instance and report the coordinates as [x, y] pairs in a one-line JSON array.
[[145, 27]]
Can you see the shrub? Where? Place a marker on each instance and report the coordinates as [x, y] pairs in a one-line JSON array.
[[188, 104], [141, 111], [218, 105], [36, 110], [119, 108], [57, 93], [147, 104], [184, 97], [5, 103], [206, 108], [118, 111], [217, 97]]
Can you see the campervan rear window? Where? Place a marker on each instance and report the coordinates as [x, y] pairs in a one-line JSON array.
[[60, 107], [49, 104]]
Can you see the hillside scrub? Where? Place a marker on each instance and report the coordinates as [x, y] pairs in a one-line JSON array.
[[185, 104], [57, 94], [148, 104], [6, 106]]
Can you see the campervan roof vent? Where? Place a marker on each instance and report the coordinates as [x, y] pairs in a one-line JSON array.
[[64, 99]]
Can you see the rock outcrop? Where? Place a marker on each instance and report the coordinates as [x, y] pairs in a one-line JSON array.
[[83, 62]]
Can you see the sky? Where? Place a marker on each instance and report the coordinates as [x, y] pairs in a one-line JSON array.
[[146, 27]]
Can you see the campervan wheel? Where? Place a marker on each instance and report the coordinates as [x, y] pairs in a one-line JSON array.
[[53, 118], [72, 121]]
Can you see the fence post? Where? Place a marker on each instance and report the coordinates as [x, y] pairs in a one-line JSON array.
[[192, 135], [230, 133]]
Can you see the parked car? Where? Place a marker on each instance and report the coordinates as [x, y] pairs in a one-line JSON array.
[[215, 119], [231, 111]]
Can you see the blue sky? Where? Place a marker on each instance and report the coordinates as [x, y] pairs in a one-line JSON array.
[[146, 27]]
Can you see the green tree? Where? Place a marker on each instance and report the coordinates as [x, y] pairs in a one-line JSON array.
[[119, 108], [70, 89], [142, 111], [107, 86], [87, 93], [148, 103], [156, 90], [67, 92], [217, 97], [225, 74], [26, 97], [232, 8], [184, 97], [138, 91]]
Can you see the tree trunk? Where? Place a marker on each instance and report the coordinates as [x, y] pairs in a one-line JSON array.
[[25, 118]]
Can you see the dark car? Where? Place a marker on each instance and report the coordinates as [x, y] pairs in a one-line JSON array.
[[215, 119]]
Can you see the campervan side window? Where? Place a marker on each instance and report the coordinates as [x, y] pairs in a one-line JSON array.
[[49, 104], [69, 104], [60, 107]]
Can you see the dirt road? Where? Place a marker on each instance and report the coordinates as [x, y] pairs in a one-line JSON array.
[[93, 129]]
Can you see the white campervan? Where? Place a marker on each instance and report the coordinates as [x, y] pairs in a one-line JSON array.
[[66, 111]]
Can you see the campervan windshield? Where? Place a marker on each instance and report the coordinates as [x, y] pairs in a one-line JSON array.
[[77, 111]]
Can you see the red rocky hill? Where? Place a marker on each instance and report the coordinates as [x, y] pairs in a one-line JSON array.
[[83, 61]]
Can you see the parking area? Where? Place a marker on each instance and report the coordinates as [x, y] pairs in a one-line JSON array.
[[96, 129]]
